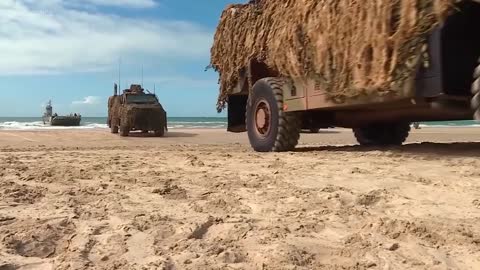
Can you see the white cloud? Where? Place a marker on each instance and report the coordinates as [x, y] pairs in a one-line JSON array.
[[125, 3], [90, 100], [53, 36]]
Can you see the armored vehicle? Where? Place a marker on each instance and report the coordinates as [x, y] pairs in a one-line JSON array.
[[60, 120], [136, 110], [375, 68]]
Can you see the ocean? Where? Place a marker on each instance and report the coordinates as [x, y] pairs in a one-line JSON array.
[[36, 123]]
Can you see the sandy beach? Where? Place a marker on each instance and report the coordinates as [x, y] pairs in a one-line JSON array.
[[202, 199]]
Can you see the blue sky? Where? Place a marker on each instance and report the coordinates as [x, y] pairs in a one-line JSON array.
[[68, 51]]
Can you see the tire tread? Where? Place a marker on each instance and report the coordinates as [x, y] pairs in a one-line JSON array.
[[383, 135], [289, 123], [475, 102]]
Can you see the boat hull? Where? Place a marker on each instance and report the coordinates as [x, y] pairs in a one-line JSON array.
[[65, 121]]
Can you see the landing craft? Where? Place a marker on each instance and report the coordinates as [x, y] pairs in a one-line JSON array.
[[54, 119]]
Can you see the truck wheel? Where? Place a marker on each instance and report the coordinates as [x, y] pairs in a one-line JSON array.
[[124, 131], [269, 128], [476, 93], [382, 134], [314, 130], [114, 129], [159, 133]]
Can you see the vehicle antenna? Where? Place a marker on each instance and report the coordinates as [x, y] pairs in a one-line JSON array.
[[119, 75], [142, 76]]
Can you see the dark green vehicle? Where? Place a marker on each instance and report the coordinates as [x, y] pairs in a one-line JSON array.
[[136, 110]]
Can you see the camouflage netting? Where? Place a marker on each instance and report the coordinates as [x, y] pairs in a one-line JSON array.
[[351, 47]]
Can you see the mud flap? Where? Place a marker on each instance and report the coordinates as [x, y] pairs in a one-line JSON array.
[[237, 105]]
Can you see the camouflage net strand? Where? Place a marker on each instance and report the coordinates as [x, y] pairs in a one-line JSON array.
[[351, 47]]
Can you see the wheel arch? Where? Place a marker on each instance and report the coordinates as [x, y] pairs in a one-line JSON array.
[[238, 99]]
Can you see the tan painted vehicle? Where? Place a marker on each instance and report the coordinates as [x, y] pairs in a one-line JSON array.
[[371, 66], [136, 110]]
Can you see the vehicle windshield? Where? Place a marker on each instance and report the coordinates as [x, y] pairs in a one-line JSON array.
[[141, 99]]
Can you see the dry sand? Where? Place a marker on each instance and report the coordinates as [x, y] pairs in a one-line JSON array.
[[202, 199]]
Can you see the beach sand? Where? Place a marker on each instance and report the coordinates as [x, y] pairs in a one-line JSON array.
[[202, 199]]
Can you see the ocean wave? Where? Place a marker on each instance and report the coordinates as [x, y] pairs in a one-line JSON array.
[[449, 126], [198, 122], [38, 125], [196, 126]]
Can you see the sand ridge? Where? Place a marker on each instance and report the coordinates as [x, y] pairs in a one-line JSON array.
[[144, 204]]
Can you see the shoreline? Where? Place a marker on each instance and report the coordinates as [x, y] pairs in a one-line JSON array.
[[189, 123], [442, 129], [59, 128]]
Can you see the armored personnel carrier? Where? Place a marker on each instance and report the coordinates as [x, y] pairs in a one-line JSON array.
[[374, 67], [60, 120], [136, 110]]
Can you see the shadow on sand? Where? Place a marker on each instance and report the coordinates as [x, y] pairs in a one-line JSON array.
[[460, 149], [167, 135], [320, 132]]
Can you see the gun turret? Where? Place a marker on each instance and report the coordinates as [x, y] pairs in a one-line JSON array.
[[134, 89]]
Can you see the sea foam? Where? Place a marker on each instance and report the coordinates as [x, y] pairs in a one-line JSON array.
[[38, 125]]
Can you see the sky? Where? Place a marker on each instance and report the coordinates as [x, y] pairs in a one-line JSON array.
[[70, 51]]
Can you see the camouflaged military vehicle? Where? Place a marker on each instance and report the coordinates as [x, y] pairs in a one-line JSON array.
[[136, 110], [372, 66]]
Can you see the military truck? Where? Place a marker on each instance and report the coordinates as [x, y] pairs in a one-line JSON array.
[[136, 110], [431, 75]]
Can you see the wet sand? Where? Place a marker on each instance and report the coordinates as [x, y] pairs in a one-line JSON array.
[[202, 199]]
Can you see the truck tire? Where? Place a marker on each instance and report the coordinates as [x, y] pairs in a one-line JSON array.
[[114, 129], [476, 92], [269, 128], [124, 131], [159, 133], [382, 134]]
